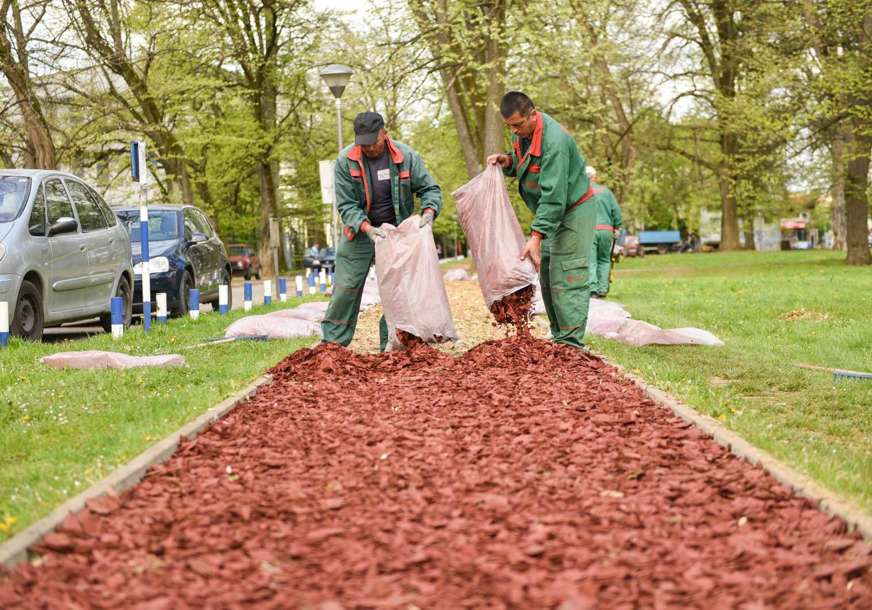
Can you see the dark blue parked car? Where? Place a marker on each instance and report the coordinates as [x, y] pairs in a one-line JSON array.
[[184, 252]]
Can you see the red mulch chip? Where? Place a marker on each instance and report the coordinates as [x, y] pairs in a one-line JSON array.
[[521, 475]]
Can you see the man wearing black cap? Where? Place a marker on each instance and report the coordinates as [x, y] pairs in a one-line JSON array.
[[376, 181]]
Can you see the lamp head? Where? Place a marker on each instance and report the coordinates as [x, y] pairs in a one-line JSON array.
[[336, 76]]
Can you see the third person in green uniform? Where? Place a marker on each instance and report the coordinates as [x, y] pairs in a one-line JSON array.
[[608, 227], [553, 183]]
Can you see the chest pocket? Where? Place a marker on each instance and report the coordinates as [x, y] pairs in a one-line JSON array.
[[531, 179], [357, 179], [405, 186]]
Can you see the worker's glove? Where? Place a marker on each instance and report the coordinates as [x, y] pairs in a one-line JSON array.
[[375, 234], [426, 218]]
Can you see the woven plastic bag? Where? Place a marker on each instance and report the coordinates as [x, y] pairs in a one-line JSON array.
[[494, 235], [410, 284]]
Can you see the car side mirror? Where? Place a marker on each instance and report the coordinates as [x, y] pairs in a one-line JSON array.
[[65, 224], [198, 238]]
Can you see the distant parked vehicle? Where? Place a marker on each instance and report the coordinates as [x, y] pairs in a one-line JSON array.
[[660, 241], [632, 247], [325, 259], [244, 260], [63, 254], [184, 253]]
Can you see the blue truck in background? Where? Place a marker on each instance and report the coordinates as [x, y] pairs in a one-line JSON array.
[[660, 241]]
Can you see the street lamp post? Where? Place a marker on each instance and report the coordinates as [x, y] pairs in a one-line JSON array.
[[336, 76]]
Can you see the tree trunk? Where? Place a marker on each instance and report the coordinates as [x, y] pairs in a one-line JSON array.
[[267, 169], [461, 125], [473, 81], [729, 205], [837, 191], [856, 201], [492, 138], [14, 64]]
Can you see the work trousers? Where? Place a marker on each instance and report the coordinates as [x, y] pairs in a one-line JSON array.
[[353, 260], [564, 275], [601, 261]]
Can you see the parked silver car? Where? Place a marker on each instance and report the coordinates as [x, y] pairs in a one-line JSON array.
[[63, 253]]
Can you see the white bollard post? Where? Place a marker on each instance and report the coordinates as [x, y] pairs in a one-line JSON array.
[[322, 280], [299, 282], [267, 292], [161, 307], [117, 308], [194, 303], [223, 291], [4, 323], [246, 296]]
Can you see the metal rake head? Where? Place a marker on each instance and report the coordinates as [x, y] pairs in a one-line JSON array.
[[843, 375]]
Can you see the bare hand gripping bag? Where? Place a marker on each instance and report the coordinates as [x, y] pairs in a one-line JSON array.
[[410, 285], [494, 235]]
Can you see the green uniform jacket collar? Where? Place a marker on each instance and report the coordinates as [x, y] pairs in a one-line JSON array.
[[356, 152], [535, 149]]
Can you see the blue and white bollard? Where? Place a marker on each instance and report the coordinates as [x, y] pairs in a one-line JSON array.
[[117, 304], [313, 277], [146, 270], [299, 282], [194, 303], [267, 292], [322, 277], [4, 323], [223, 292], [330, 279], [246, 296], [161, 307], [283, 290]]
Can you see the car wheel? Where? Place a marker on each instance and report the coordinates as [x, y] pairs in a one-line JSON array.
[[248, 275], [125, 293], [28, 319], [181, 308], [257, 275], [225, 279]]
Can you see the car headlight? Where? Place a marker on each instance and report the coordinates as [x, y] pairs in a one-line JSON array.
[[160, 264], [2, 251]]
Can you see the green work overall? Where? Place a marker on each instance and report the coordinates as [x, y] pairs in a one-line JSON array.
[[608, 218], [553, 184], [356, 252]]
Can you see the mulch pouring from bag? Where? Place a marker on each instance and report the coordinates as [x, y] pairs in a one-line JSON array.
[[523, 475], [515, 309]]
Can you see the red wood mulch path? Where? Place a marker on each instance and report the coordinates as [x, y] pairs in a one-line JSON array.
[[521, 475]]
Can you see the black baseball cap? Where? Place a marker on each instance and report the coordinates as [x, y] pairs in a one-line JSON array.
[[367, 125]]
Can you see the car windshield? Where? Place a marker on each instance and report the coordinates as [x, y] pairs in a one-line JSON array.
[[162, 226], [13, 194], [238, 251]]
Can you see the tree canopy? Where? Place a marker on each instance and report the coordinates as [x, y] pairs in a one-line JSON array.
[[737, 110]]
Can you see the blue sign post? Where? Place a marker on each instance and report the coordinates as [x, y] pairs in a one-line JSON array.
[[146, 271], [139, 173]]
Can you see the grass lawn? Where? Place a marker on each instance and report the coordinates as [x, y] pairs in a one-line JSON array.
[[773, 310], [60, 431]]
